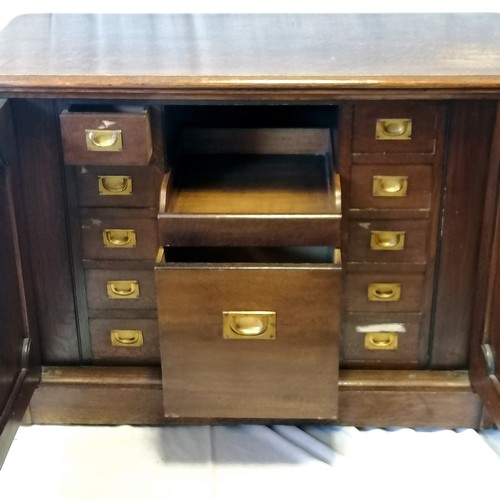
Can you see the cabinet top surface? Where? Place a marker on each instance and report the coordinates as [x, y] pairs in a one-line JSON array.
[[59, 54]]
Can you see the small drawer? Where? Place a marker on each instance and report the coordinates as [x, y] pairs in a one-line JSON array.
[[118, 238], [395, 127], [256, 340], [391, 187], [118, 186], [380, 339], [384, 292], [388, 241], [120, 289], [106, 138], [124, 341]]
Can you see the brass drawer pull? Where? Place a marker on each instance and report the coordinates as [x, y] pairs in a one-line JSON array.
[[390, 185], [384, 292], [119, 238], [387, 240], [115, 185], [249, 325], [393, 129], [381, 341], [127, 338], [123, 289], [104, 140]]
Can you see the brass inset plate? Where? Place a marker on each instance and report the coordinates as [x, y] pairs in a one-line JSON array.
[[119, 238], [384, 292], [387, 240], [115, 185], [381, 341], [393, 129], [249, 325], [394, 186], [104, 140], [123, 289], [127, 338]]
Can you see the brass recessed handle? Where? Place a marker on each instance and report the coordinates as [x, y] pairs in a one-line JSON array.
[[119, 238], [127, 338], [381, 341], [384, 292], [390, 185], [249, 325], [104, 140], [123, 289], [115, 185], [387, 240], [393, 129]]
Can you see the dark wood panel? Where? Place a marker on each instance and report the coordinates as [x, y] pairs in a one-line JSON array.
[[19, 350], [134, 396], [485, 341], [471, 126], [46, 225], [165, 53]]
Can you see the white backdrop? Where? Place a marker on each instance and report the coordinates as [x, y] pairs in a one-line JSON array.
[[18, 7]]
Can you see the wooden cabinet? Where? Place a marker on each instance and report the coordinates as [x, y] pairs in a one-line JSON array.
[[241, 227]]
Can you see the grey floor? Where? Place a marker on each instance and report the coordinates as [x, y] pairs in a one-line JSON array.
[[249, 462]]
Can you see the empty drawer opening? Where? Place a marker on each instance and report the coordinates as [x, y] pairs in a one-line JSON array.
[[251, 255]]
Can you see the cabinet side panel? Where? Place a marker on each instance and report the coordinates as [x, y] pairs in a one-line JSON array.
[[470, 132], [46, 221]]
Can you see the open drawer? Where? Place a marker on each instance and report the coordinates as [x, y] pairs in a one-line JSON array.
[[252, 186], [249, 340]]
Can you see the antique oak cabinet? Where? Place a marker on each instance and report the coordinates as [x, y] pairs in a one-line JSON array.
[[250, 218]]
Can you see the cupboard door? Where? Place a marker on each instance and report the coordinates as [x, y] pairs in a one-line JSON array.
[[485, 348], [19, 364]]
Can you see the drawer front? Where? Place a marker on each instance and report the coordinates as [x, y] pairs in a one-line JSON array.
[[118, 186], [384, 292], [395, 127], [124, 341], [248, 342], [381, 339], [119, 238], [387, 241], [391, 187], [120, 289], [90, 138]]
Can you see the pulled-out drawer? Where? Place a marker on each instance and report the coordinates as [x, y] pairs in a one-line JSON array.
[[124, 341], [101, 137], [384, 292], [120, 289], [377, 340], [248, 340], [118, 186]]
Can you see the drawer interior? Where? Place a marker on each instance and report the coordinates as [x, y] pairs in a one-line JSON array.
[[252, 159], [260, 255]]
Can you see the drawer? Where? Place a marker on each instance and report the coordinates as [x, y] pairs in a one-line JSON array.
[[249, 340], [383, 292], [391, 187], [395, 127], [381, 339], [118, 237], [388, 241], [118, 186], [125, 341], [120, 289], [106, 138]]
